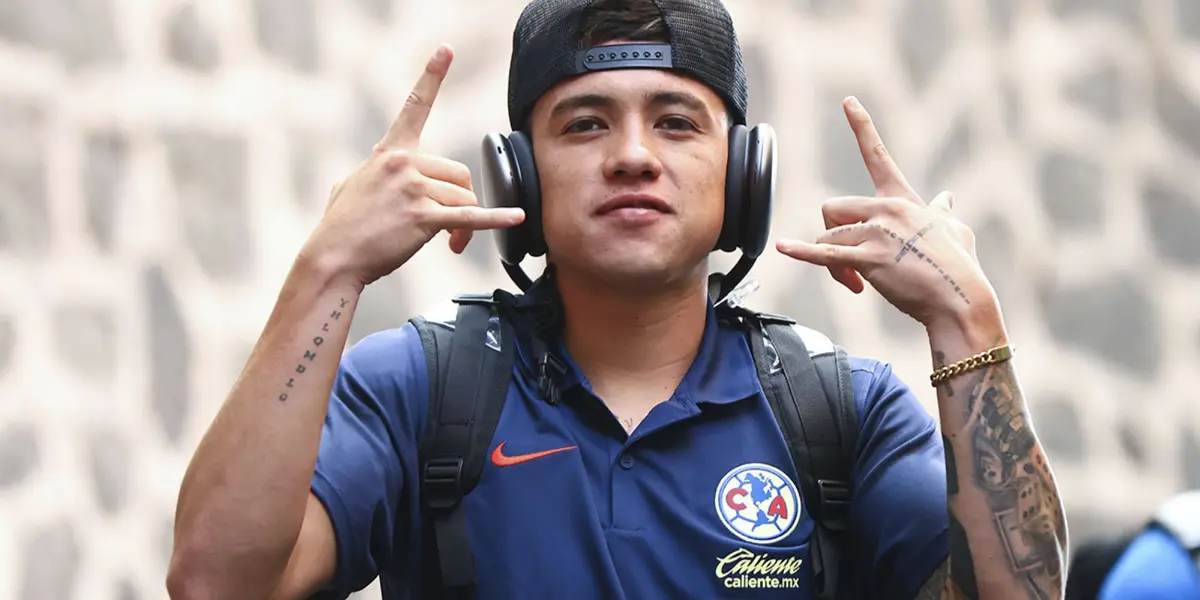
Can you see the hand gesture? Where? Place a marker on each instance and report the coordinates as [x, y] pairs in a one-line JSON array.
[[399, 198], [918, 256]]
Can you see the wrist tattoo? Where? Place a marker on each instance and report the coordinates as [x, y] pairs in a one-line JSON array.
[[939, 361]]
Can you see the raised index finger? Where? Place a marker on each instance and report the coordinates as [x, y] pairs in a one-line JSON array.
[[405, 131], [885, 174]]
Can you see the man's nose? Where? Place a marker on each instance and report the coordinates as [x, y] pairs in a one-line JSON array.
[[633, 153]]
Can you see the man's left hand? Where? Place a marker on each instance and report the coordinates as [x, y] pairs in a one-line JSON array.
[[918, 256]]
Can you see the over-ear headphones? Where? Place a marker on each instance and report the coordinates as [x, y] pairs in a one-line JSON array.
[[510, 179]]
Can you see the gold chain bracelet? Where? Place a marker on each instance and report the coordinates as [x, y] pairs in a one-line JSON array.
[[987, 357]]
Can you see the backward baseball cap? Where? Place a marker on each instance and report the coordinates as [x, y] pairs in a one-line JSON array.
[[547, 50]]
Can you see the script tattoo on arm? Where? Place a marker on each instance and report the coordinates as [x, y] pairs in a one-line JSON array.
[[310, 353], [1007, 531]]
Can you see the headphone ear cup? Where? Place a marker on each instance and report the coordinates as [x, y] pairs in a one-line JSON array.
[[760, 190], [530, 193], [735, 190], [501, 188]]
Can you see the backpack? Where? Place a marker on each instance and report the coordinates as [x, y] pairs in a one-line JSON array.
[[1094, 560], [805, 377], [1180, 517]]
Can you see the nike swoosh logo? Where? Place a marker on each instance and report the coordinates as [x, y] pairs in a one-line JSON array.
[[500, 460]]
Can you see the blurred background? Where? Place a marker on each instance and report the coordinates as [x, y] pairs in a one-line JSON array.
[[161, 161]]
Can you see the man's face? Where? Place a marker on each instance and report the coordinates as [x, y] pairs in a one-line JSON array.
[[632, 170]]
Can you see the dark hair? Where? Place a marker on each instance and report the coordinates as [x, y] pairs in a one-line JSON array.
[[634, 20]]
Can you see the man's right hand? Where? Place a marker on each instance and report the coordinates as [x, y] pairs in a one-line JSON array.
[[398, 199]]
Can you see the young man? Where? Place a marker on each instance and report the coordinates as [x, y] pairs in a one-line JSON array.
[[633, 483]]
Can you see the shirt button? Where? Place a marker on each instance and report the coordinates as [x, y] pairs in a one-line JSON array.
[[627, 461]]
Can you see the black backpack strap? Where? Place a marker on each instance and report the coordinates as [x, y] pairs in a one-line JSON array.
[[809, 391], [470, 366]]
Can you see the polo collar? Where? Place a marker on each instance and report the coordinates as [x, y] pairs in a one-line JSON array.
[[723, 371]]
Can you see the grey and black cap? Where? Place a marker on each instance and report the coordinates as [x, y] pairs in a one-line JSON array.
[[547, 50]]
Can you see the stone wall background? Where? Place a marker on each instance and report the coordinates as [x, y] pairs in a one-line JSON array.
[[161, 162]]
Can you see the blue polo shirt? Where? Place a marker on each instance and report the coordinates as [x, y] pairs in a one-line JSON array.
[[700, 501]]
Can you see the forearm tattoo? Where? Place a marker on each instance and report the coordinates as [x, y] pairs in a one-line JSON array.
[[1007, 466], [935, 586], [310, 353]]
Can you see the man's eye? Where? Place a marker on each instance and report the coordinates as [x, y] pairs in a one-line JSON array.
[[678, 123], [583, 126]]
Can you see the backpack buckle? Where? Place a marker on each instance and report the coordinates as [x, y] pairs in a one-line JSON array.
[[551, 371], [442, 481], [835, 503], [473, 298], [774, 319]]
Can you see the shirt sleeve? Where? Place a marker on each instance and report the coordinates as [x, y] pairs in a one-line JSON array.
[[898, 517], [366, 470]]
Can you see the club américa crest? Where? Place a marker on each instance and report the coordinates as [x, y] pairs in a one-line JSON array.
[[758, 503]]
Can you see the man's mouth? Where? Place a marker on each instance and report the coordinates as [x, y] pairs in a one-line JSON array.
[[634, 203]]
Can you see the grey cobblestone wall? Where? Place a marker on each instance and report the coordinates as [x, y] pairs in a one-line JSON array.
[[162, 161]]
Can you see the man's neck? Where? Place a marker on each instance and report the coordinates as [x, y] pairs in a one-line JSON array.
[[633, 342]]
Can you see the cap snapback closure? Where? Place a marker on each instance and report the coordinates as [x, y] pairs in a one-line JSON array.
[[623, 56]]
